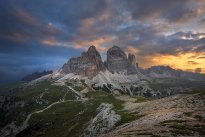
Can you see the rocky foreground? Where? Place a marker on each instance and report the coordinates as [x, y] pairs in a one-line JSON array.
[[178, 115]]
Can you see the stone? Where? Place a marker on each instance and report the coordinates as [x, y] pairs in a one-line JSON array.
[[88, 64], [116, 60], [133, 65]]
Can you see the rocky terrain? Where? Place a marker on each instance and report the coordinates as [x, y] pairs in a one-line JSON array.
[[119, 73], [89, 98], [90, 62], [179, 115]]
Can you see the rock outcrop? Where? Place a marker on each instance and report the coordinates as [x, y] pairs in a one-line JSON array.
[[117, 61], [88, 64], [133, 65]]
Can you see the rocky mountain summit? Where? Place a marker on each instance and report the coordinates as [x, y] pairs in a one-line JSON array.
[[119, 73], [90, 62], [117, 61]]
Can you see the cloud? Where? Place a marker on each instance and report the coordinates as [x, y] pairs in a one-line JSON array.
[[202, 20], [201, 57], [192, 63], [170, 10], [51, 29], [198, 70]]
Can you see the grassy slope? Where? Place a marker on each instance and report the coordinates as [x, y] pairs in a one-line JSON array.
[[70, 118], [31, 95]]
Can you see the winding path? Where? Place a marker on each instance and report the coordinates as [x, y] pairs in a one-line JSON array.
[[25, 123]]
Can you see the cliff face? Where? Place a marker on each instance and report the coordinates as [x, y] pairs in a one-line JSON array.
[[90, 62], [116, 60]]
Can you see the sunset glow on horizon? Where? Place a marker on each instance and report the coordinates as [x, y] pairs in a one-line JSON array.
[[40, 36]]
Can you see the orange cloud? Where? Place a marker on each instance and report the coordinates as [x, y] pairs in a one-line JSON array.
[[50, 42], [180, 61], [86, 25], [98, 43], [133, 50]]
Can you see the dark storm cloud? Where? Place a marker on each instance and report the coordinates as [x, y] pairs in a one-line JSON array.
[[26, 27], [25, 59], [171, 10], [173, 46], [36, 34]]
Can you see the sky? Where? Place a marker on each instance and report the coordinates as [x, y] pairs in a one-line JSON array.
[[38, 35]]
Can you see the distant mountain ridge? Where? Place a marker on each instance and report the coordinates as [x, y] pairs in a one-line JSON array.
[[168, 72], [118, 74], [36, 75]]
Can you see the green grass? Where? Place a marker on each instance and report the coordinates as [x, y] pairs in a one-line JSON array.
[[157, 86], [140, 99], [78, 88], [71, 118], [70, 95], [196, 91], [69, 84], [31, 91], [29, 94], [5, 89], [187, 129]]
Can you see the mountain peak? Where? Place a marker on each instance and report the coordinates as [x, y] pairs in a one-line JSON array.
[[92, 48], [90, 62]]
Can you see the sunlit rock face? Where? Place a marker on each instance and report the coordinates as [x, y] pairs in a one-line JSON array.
[[88, 64]]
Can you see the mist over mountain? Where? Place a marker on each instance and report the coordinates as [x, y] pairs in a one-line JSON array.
[[36, 75]]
